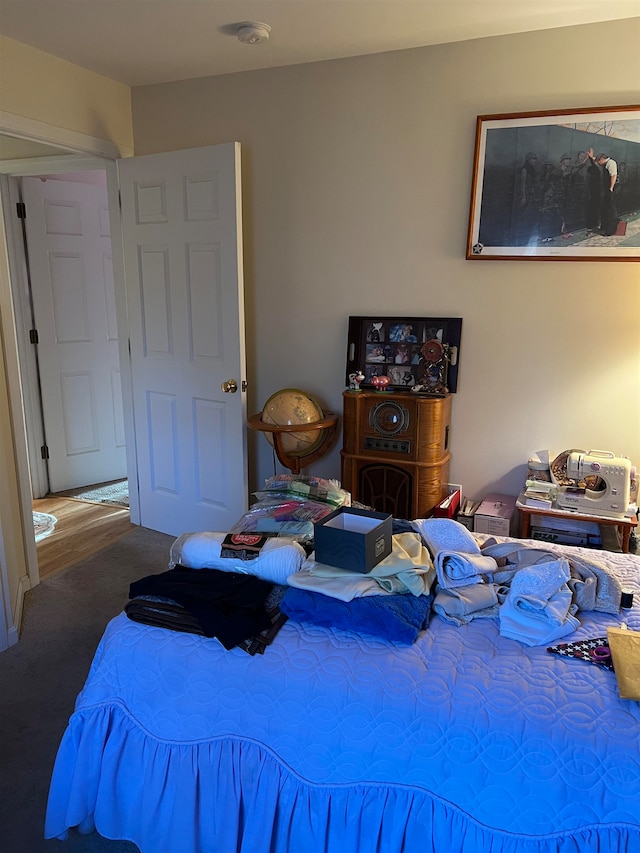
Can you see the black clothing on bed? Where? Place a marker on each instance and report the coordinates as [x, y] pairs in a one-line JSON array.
[[226, 605], [164, 613]]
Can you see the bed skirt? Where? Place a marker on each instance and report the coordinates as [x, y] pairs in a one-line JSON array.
[[232, 794]]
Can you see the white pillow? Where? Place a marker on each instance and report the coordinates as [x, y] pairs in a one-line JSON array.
[[280, 556]]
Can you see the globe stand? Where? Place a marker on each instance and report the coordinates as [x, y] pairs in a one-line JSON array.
[[294, 462]]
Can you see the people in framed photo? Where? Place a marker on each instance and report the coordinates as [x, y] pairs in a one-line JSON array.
[[375, 353], [561, 185]]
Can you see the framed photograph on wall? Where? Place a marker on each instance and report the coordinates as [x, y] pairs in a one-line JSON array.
[[419, 355], [560, 185]]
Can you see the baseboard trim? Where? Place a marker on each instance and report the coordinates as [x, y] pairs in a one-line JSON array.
[[13, 634], [12, 637]]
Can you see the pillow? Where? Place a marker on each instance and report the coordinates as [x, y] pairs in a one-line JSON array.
[[279, 557]]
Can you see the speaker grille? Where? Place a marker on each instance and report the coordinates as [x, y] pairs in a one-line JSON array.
[[387, 489]]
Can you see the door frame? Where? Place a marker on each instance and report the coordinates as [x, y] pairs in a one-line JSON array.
[[85, 152], [34, 437], [9, 190]]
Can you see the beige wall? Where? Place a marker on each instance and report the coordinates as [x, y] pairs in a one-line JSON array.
[[356, 192], [12, 549], [39, 87]]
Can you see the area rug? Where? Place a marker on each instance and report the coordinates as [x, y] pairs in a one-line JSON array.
[[43, 524], [116, 492]]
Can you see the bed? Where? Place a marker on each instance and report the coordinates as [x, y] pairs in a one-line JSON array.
[[331, 742]]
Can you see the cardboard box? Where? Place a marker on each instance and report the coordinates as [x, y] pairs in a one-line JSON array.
[[565, 537], [353, 539], [565, 531], [497, 516]]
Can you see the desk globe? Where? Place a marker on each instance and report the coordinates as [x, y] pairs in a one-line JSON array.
[[295, 426], [293, 407]]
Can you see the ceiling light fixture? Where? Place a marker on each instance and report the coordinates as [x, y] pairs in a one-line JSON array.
[[253, 32]]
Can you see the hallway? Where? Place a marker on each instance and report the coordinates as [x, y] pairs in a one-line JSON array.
[[82, 528]]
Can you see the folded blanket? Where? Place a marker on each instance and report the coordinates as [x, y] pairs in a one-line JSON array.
[[343, 587], [226, 605], [459, 569], [162, 613], [593, 585], [397, 618], [280, 556], [445, 534], [538, 626], [408, 568], [165, 613], [461, 605], [532, 587], [539, 607]]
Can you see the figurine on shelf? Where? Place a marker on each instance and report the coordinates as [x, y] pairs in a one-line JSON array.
[[355, 379], [381, 383]]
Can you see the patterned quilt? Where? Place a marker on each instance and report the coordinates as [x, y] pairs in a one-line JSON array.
[[463, 735]]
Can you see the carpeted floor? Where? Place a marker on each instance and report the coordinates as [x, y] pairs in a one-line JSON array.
[[40, 677]]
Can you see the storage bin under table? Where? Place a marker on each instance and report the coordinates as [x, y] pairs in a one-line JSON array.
[[623, 525]]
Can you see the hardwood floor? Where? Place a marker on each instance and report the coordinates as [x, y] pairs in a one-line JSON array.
[[82, 529]]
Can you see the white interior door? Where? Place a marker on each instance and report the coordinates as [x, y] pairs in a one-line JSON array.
[[70, 261], [182, 243]]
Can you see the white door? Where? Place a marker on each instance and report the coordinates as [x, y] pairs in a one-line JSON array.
[[70, 262], [182, 242]]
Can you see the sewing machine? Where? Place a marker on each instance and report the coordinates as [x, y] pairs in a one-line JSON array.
[[601, 483]]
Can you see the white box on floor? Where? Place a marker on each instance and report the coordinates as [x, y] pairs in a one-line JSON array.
[[497, 516]]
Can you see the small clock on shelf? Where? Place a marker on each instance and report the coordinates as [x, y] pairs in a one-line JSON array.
[[433, 368]]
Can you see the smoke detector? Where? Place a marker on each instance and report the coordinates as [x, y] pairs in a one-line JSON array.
[[253, 32]]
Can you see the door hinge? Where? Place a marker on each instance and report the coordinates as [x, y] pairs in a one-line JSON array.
[[33, 336], [21, 210], [44, 451]]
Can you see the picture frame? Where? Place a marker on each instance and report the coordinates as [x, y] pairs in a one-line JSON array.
[[541, 192], [418, 355]]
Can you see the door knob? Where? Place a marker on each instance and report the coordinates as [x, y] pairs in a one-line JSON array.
[[230, 387]]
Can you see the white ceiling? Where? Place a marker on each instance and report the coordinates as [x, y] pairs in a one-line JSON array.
[[141, 42]]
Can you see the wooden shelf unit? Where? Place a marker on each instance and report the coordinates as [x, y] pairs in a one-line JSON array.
[[395, 454]]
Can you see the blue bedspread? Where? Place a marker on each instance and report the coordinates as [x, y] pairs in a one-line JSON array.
[[331, 742]]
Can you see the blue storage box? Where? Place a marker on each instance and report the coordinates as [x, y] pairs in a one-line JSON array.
[[353, 539]]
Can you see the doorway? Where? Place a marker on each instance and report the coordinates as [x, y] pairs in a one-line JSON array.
[[166, 485], [62, 292], [69, 349]]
